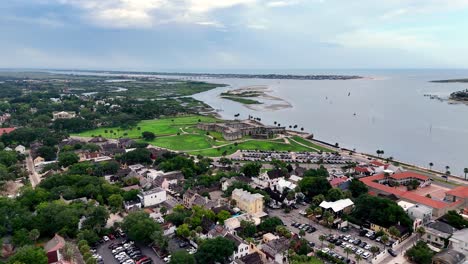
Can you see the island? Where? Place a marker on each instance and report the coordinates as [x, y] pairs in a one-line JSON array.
[[460, 96]]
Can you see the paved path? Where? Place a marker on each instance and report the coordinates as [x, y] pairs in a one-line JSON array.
[[34, 178]]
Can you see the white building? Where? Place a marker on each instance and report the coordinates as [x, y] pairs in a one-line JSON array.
[[242, 248], [343, 205], [20, 149], [153, 197], [420, 211], [63, 115], [459, 241], [283, 184], [437, 233]]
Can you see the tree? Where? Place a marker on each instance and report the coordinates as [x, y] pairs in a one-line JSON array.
[[68, 158], [348, 251], [183, 230], [225, 161], [454, 219], [163, 210], [420, 253], [222, 216], [335, 194], [465, 170], [139, 226], [34, 235], [148, 136], [357, 188], [431, 165], [215, 250], [358, 258], [269, 224], [251, 169], [322, 238], [420, 231], [29, 254], [312, 186], [21, 238], [182, 257], [115, 202], [248, 229], [68, 252], [394, 231], [374, 250], [385, 239], [48, 153]]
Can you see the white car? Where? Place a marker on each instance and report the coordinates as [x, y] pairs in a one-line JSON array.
[[106, 238], [368, 247], [366, 255], [359, 251], [129, 262], [325, 250]]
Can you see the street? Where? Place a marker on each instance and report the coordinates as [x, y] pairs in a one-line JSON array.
[[33, 176]]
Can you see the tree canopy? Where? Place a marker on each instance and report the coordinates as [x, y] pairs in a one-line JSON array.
[[139, 226], [215, 250]]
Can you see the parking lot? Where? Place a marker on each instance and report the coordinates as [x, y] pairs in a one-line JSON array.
[[108, 257], [294, 216]]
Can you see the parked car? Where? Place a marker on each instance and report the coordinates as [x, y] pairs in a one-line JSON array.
[[105, 238], [366, 255], [363, 244], [391, 252]]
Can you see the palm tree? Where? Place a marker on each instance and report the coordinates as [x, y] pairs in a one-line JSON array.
[[318, 211], [421, 231], [465, 170], [384, 240], [331, 246], [358, 258], [322, 238], [348, 251], [430, 165], [330, 221], [68, 252], [374, 249], [447, 168]]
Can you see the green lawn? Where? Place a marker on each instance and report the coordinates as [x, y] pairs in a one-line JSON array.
[[164, 126], [310, 144], [196, 142], [182, 142]]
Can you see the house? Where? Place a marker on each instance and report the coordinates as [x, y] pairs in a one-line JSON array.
[[242, 248], [152, 197], [52, 249], [449, 256], [419, 211], [226, 182], [283, 185], [88, 155], [459, 193], [269, 178], [98, 140], [268, 237], [7, 130], [191, 198], [168, 179], [338, 207], [63, 115], [276, 250], [132, 205], [248, 202], [379, 184], [234, 223], [126, 142], [20, 149], [459, 241], [295, 179], [437, 233], [254, 258], [5, 117], [38, 160]]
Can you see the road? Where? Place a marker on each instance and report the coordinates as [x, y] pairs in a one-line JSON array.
[[34, 178]]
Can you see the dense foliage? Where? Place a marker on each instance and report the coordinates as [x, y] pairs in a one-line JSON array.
[[420, 253]]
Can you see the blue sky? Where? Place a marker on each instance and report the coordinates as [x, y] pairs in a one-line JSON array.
[[233, 34]]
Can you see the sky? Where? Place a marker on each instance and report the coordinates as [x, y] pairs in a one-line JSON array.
[[151, 35]]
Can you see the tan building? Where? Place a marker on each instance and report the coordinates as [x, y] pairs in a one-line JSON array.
[[63, 115], [234, 130], [248, 202]]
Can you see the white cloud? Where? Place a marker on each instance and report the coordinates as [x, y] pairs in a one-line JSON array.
[[210, 24], [408, 41]]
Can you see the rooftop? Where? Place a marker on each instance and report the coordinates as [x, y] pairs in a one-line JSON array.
[[247, 196], [460, 191], [56, 243], [337, 205], [155, 190]]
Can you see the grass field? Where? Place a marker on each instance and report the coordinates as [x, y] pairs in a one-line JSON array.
[[196, 141], [310, 144], [160, 127]]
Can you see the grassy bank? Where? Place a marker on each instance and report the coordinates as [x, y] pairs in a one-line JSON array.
[[241, 100]]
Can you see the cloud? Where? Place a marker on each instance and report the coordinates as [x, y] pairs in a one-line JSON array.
[[210, 24]]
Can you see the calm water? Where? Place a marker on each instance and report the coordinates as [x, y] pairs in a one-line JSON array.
[[391, 113]]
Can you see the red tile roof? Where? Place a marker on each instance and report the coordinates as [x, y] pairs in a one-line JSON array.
[[377, 163], [361, 169], [460, 191], [408, 195], [337, 181], [409, 174], [6, 130]]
